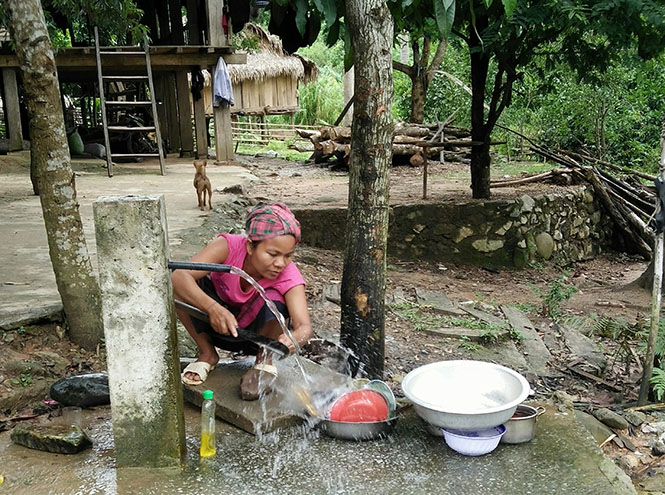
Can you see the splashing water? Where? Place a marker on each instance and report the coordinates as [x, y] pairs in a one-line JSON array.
[[278, 316]]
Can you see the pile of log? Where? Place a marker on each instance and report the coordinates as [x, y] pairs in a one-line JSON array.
[[411, 143], [630, 202]]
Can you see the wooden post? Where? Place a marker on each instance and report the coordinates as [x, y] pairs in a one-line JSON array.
[[424, 172], [159, 83], [222, 113], [656, 291], [184, 114], [171, 110], [12, 109], [200, 129]]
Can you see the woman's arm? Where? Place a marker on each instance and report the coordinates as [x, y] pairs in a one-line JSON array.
[[296, 302], [187, 290]]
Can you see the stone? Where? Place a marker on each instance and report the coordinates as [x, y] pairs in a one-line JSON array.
[[59, 439], [527, 203], [487, 246], [629, 462], [635, 418], [504, 228], [583, 348], [544, 245], [333, 292], [462, 234], [537, 354], [234, 189], [658, 448], [91, 389], [438, 301], [610, 418]]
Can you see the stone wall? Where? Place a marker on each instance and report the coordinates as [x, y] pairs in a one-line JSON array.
[[565, 227]]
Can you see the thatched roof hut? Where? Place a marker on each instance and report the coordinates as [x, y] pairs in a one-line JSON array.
[[268, 83]]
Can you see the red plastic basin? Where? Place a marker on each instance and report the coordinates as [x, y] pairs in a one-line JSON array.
[[360, 406]]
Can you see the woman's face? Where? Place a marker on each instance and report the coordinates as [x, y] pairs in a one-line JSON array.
[[269, 257]]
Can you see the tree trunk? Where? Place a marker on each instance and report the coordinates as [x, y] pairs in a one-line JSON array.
[[480, 155], [364, 278], [78, 287]]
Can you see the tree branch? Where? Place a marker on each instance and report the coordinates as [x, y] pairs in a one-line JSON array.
[[406, 69], [437, 60]]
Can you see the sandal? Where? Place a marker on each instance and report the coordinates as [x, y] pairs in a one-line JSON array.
[[257, 381], [200, 368]]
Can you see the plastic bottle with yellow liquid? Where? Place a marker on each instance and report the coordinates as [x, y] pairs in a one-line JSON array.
[[207, 425]]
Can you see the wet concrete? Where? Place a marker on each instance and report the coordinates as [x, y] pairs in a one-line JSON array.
[[562, 458], [277, 410]]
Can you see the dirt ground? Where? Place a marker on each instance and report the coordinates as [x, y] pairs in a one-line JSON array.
[[610, 309]]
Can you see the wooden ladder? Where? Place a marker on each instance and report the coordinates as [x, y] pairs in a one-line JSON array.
[[149, 103]]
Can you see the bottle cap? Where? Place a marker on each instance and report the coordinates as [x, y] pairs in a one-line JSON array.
[[207, 394]]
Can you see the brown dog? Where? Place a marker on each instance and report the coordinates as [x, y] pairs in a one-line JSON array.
[[202, 184]]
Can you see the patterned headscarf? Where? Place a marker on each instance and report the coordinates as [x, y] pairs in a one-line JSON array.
[[267, 221]]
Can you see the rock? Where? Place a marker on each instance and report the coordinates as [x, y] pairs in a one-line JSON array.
[[563, 400], [610, 418], [59, 439], [544, 245], [333, 292], [628, 462], [235, 189], [87, 390], [635, 418], [658, 448]]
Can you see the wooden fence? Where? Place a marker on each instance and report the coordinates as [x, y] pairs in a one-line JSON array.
[[260, 133]]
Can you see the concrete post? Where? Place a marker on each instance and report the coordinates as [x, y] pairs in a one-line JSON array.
[[140, 331], [348, 94]]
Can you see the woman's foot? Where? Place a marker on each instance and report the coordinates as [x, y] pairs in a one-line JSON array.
[[257, 381], [196, 373]]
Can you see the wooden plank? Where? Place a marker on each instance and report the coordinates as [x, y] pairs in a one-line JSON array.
[[12, 110], [223, 134], [475, 334], [193, 27], [170, 101], [159, 84], [214, 11], [200, 129], [184, 114], [75, 59]]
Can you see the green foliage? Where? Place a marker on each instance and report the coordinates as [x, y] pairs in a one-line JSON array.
[[279, 147], [657, 381], [558, 292], [119, 21], [321, 100]]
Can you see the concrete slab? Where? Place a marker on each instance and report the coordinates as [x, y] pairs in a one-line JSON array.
[[277, 410], [26, 276], [535, 351]]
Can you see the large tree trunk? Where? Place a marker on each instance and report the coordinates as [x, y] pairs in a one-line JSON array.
[[78, 287], [364, 278], [480, 155]]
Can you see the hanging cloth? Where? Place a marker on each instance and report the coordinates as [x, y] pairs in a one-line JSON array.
[[222, 89]]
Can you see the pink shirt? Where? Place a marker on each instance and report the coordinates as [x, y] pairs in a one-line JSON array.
[[227, 285]]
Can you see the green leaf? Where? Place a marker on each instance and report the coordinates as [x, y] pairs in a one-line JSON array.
[[509, 6], [444, 12], [333, 33], [301, 16], [488, 3], [329, 10]]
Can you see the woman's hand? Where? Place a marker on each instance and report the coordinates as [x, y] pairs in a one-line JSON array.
[[222, 320]]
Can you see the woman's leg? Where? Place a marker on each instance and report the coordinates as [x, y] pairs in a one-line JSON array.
[[206, 350]]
